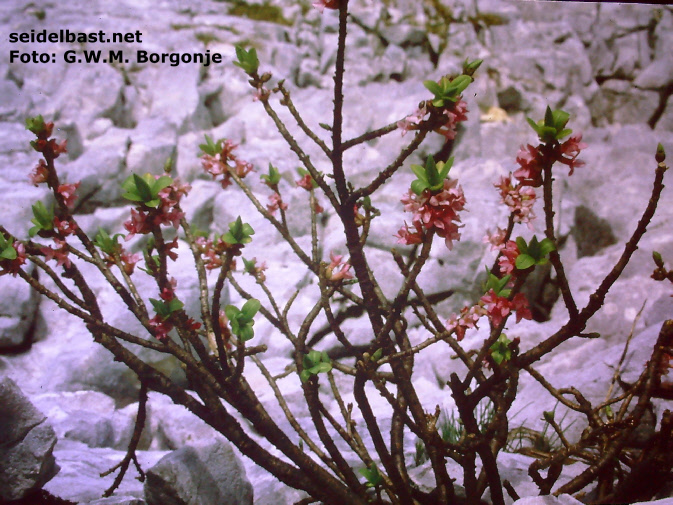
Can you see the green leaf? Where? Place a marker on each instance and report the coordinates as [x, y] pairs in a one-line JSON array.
[[546, 246], [521, 245], [246, 333], [524, 261], [35, 124], [250, 308], [143, 189], [418, 186], [433, 87], [8, 253], [419, 172], [231, 312], [247, 60]]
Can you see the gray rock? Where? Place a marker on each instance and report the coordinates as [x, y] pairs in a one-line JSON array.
[[564, 499], [618, 101], [199, 476], [17, 313], [118, 500], [26, 447], [657, 75], [80, 481], [83, 416]]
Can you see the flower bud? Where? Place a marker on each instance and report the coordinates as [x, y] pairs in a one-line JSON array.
[[660, 156]]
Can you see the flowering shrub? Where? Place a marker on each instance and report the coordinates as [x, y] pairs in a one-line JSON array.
[[213, 347]]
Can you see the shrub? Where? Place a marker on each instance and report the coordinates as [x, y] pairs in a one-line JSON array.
[[214, 347]]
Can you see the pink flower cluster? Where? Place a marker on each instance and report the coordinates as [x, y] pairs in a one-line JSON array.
[[224, 163], [276, 203], [449, 129], [60, 254], [497, 308], [532, 160], [338, 270], [438, 211], [167, 213], [211, 251], [519, 198]]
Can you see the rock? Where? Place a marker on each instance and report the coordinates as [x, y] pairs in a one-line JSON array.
[[83, 416], [17, 313], [28, 440], [79, 479], [118, 500], [194, 476], [618, 101], [564, 499], [657, 75]]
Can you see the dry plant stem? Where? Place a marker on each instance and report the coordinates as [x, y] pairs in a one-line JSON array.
[[576, 325], [50, 272], [315, 406], [204, 294], [390, 170], [123, 465], [352, 432], [554, 256], [287, 102], [366, 137], [608, 456], [618, 368], [280, 227], [303, 157], [290, 416]]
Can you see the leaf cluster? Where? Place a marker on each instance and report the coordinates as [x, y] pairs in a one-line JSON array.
[[165, 309], [315, 362], [239, 233], [553, 127], [447, 91], [242, 320], [247, 60], [145, 189], [533, 253], [430, 177], [43, 220]]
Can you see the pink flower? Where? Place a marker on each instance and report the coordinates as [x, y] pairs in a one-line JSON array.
[[520, 199], [39, 173], [67, 192], [496, 239], [529, 172], [60, 254], [408, 238], [321, 5], [455, 116], [276, 203], [497, 307], [138, 224], [220, 164], [409, 122], [129, 261], [337, 270], [438, 211], [507, 259], [305, 182], [568, 152], [521, 307], [161, 327], [468, 318], [65, 227]]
